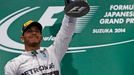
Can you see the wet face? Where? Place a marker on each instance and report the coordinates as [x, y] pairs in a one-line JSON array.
[[32, 36]]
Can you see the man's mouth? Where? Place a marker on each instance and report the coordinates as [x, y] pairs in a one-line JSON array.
[[33, 38]]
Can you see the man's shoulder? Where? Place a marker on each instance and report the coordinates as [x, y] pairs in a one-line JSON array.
[[16, 60]]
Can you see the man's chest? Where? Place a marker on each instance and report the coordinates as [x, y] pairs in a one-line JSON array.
[[39, 66]]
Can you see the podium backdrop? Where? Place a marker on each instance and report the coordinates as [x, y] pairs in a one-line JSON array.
[[103, 43]]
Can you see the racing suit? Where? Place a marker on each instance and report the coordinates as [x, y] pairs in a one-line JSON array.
[[44, 62]]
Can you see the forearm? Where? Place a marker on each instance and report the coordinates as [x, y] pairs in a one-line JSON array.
[[64, 36], [68, 26]]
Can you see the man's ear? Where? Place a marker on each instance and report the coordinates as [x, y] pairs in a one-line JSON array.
[[41, 37], [22, 38]]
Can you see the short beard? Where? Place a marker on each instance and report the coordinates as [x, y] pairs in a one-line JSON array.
[[33, 44]]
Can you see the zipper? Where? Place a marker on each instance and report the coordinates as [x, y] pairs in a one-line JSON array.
[[38, 63]]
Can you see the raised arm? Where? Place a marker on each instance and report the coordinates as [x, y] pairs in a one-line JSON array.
[[63, 38]]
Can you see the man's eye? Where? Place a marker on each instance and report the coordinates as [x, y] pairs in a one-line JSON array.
[[37, 31], [29, 30]]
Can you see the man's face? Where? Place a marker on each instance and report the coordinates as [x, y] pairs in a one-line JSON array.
[[32, 36]]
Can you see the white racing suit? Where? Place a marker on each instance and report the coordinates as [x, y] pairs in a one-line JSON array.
[[44, 62]]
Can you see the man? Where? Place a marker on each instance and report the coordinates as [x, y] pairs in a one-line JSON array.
[[35, 61]]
